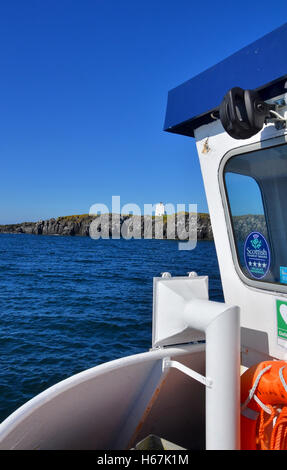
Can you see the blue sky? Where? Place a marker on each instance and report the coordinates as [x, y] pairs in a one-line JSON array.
[[83, 95], [244, 202]]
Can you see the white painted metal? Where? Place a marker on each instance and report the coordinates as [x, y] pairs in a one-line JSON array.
[[178, 312], [170, 295], [257, 306], [186, 370], [144, 402], [223, 366], [221, 325]]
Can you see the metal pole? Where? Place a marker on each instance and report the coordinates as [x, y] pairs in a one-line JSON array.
[[221, 324], [223, 366]]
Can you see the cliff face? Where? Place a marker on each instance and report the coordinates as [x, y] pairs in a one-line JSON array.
[[177, 227], [173, 227]]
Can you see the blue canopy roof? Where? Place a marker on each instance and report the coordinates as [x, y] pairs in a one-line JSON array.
[[261, 66]]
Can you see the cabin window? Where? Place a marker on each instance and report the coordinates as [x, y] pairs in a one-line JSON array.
[[256, 189]]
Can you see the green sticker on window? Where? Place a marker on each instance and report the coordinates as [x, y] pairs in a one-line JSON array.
[[281, 308]]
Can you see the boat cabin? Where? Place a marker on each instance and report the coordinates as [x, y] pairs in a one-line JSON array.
[[244, 169]]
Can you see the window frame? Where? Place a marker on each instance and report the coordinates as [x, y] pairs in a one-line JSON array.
[[249, 148]]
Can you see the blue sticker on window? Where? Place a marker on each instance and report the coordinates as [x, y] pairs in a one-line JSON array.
[[256, 255], [283, 274]]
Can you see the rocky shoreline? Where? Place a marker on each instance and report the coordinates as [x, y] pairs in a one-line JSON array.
[[181, 226], [178, 226]]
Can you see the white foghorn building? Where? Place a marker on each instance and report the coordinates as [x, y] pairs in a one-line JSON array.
[[159, 209]]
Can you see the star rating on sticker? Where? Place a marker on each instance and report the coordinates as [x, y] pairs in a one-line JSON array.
[[259, 265]]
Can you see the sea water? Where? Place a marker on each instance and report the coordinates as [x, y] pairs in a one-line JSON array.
[[70, 303]]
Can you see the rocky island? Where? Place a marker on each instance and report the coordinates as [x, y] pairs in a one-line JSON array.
[[111, 224], [181, 226]]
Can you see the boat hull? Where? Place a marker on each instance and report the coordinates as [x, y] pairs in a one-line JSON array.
[[115, 405]]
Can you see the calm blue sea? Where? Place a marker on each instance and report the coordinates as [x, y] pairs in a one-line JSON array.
[[70, 303]]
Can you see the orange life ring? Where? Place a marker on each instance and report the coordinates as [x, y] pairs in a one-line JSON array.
[[264, 406]]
